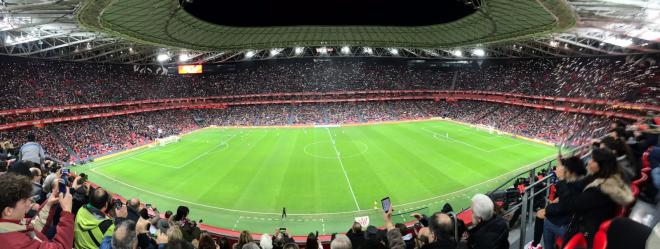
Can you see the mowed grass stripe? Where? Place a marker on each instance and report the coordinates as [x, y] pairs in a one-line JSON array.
[[265, 169]]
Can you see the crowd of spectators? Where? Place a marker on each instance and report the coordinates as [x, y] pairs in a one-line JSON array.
[[44, 83], [70, 141]]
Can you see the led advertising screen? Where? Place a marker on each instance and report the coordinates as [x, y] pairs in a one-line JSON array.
[[189, 69]]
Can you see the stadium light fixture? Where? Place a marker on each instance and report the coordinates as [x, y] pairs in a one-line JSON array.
[[479, 52], [394, 51], [249, 54], [554, 44], [458, 53], [298, 50], [183, 57], [345, 50], [274, 52], [368, 50], [8, 40], [619, 41], [323, 50], [162, 57]]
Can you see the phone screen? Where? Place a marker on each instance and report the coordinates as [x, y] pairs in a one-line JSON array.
[[386, 203]]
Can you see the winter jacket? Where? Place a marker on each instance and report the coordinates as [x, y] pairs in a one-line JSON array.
[[559, 213], [357, 239], [16, 234], [395, 239], [490, 234], [92, 227], [597, 203]]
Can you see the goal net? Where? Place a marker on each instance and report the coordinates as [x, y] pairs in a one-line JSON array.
[[166, 140]]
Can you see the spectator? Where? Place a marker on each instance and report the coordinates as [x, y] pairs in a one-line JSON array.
[[491, 230], [244, 238], [312, 242], [442, 228], [266, 241], [178, 244], [188, 228], [223, 243], [93, 227], [124, 236], [394, 237], [133, 208], [341, 242], [250, 245], [356, 235], [32, 151], [15, 202], [37, 193], [207, 242], [605, 192], [556, 215], [291, 245]]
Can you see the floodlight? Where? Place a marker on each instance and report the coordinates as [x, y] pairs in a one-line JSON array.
[[459, 53], [184, 57], [274, 52], [479, 52], [345, 50], [394, 51], [298, 50], [249, 54], [162, 57], [368, 50]]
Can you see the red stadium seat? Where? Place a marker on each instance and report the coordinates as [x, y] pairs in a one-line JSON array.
[[600, 238], [642, 179], [646, 163], [578, 241], [635, 190]]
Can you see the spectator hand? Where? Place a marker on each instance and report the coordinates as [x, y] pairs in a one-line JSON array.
[[66, 202], [122, 212], [540, 214], [387, 217]]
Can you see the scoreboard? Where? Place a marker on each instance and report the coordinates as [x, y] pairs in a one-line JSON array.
[[190, 69]]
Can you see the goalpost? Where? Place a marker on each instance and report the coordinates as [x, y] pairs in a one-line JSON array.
[[166, 140]]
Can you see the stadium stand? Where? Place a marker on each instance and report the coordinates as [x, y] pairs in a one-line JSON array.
[[78, 141]]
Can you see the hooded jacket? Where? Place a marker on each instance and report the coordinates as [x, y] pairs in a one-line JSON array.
[[92, 227], [599, 202], [23, 234]]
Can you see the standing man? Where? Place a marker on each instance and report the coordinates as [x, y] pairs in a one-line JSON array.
[[32, 151], [284, 213]]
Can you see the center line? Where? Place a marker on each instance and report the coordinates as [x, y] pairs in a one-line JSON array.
[[341, 163]]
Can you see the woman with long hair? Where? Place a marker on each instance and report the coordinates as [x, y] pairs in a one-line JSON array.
[[604, 193], [243, 239]]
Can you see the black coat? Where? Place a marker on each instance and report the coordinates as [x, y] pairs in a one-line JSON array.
[[597, 203], [357, 239], [490, 234], [559, 213]]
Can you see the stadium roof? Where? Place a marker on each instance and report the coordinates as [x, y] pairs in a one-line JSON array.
[[127, 31]]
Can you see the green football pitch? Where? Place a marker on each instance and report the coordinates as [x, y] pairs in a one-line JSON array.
[[326, 177]]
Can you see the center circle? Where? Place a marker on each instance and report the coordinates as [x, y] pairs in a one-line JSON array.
[[328, 150]]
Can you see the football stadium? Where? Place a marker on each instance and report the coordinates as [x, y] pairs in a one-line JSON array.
[[471, 124]]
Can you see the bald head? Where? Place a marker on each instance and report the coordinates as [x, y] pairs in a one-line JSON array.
[[441, 225], [100, 199], [134, 203]]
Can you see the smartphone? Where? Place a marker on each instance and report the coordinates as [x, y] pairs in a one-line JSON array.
[[386, 203], [282, 229], [64, 181]]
